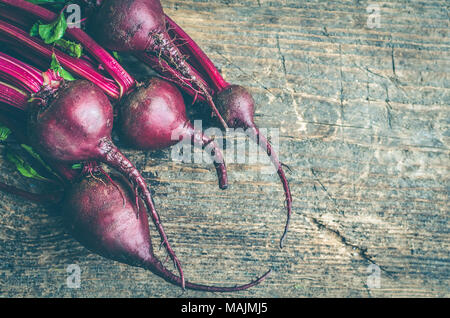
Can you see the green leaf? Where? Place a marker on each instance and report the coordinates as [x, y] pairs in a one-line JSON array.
[[54, 65], [54, 31], [35, 29], [23, 167], [77, 166], [71, 48], [4, 133], [36, 156], [117, 56]]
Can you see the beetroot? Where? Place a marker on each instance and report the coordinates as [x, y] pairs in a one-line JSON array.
[[97, 216], [71, 122], [27, 79], [139, 26], [99, 210], [237, 106], [124, 81], [154, 117], [74, 124], [234, 102], [151, 129]]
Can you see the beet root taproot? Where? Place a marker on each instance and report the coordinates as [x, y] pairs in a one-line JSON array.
[[139, 26], [154, 117], [74, 124], [100, 214], [237, 106]]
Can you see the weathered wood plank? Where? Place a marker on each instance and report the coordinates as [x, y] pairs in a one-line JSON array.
[[364, 118]]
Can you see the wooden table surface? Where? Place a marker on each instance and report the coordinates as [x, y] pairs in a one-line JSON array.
[[363, 114]]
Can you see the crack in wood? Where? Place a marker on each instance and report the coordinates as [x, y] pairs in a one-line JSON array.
[[393, 58], [282, 58], [362, 252], [388, 108]]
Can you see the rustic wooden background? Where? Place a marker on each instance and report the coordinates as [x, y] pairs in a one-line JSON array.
[[364, 125]]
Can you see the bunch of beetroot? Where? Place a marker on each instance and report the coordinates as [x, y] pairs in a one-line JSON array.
[[63, 98]]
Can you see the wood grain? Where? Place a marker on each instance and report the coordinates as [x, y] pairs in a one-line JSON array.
[[364, 126]]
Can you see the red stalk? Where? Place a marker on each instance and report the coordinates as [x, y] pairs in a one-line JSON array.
[[13, 96], [199, 57], [16, 17], [123, 79], [70, 63], [19, 20], [20, 74]]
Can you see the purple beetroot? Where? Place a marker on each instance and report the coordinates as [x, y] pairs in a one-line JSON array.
[[74, 124], [124, 81], [100, 214], [139, 26], [234, 102], [154, 117], [237, 106]]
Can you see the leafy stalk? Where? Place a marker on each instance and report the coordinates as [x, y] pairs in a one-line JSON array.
[[123, 79], [20, 74], [56, 66], [74, 65], [37, 157], [53, 33], [23, 166], [202, 61], [13, 96], [4, 133]]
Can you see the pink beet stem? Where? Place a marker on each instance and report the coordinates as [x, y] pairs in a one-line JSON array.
[[20, 74], [13, 96], [199, 56], [22, 22], [32, 58], [72, 64], [124, 80], [16, 17], [26, 55]]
